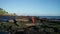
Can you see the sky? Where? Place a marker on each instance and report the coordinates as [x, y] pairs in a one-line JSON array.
[[32, 7]]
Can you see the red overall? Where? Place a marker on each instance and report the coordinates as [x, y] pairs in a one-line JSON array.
[[32, 20]]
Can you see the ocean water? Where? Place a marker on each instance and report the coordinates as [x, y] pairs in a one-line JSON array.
[[56, 17], [5, 18], [51, 17]]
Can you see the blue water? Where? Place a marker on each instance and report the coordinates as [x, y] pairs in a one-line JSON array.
[[51, 17], [56, 17], [5, 18]]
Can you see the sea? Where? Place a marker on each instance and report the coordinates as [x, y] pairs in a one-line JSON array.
[[56, 17], [5, 18]]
